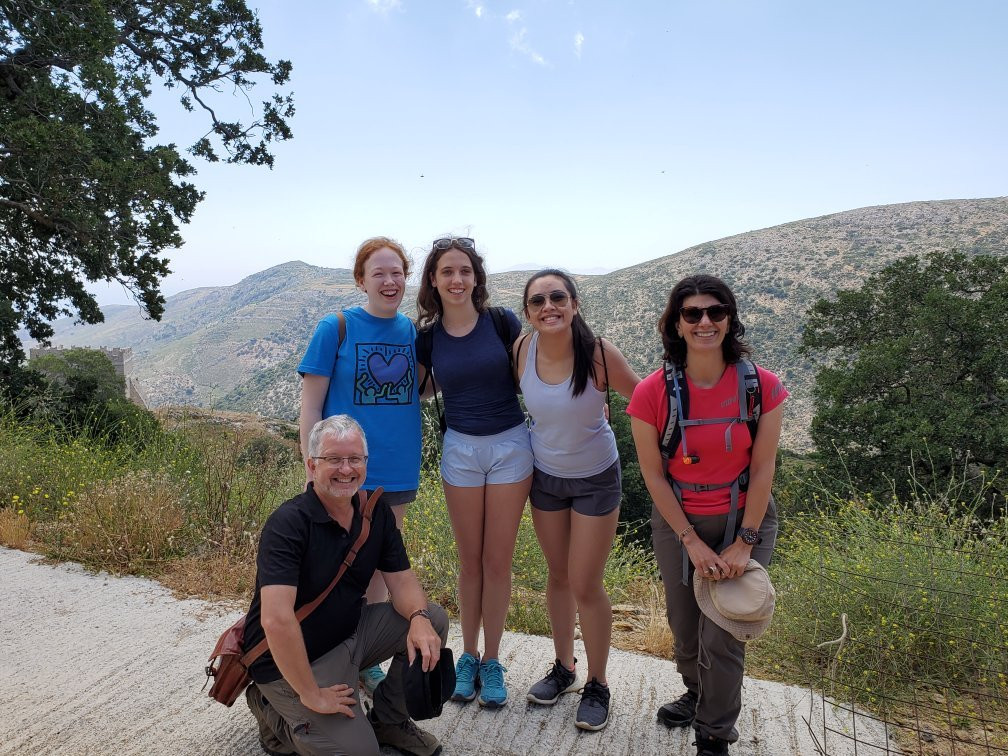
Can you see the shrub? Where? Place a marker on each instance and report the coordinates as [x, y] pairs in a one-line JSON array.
[[233, 492]]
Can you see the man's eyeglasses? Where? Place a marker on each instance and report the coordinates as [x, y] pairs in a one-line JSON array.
[[462, 242], [557, 297], [694, 315], [354, 460]]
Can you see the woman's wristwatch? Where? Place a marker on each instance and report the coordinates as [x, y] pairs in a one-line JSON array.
[[749, 536]]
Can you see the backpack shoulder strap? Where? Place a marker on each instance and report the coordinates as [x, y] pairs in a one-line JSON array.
[[500, 324], [520, 342], [750, 395], [677, 392], [424, 349], [340, 338], [605, 374], [341, 335]]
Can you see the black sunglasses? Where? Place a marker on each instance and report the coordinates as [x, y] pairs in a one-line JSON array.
[[556, 296], [462, 242], [694, 315]]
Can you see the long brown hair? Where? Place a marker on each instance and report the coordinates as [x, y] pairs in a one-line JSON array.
[[429, 307]]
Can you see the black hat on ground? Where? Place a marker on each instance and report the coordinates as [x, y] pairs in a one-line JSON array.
[[426, 692]]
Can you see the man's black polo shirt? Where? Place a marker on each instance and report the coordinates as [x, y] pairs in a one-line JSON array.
[[301, 545]]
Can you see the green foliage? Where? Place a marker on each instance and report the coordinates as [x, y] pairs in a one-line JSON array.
[[87, 193], [919, 371], [83, 392], [77, 490], [635, 505], [924, 587]]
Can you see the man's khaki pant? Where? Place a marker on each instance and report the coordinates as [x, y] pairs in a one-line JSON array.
[[286, 726], [708, 658]]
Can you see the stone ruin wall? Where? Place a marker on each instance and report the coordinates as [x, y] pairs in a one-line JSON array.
[[121, 359]]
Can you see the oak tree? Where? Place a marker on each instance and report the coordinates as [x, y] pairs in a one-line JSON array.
[[917, 371], [87, 193]]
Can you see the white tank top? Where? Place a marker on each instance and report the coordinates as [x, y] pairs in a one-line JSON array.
[[570, 435]]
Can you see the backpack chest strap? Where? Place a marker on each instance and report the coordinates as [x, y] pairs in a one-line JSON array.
[[728, 421]]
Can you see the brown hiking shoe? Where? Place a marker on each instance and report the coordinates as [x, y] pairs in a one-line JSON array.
[[405, 737]]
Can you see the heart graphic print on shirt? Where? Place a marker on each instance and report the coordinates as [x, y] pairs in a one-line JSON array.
[[384, 374]]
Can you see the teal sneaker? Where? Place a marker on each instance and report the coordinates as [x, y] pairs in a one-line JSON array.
[[494, 694], [370, 678], [467, 678]]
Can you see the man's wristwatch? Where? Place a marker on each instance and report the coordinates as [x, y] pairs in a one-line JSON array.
[[420, 613], [749, 536]]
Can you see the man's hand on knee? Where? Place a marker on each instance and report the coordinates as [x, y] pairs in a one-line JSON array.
[[423, 639], [337, 699]]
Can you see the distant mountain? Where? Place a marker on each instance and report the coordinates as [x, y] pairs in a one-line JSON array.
[[237, 347]]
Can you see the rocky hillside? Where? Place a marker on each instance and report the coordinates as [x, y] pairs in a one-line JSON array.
[[237, 347]]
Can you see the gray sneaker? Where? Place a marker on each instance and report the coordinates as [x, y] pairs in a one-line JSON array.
[[558, 680], [405, 737], [593, 711]]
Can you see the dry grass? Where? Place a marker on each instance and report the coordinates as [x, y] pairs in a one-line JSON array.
[[216, 577], [14, 528], [127, 525]]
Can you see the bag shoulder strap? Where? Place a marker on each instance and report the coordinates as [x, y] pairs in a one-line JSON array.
[[367, 510]]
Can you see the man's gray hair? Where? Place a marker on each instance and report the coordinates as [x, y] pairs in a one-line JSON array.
[[339, 427]]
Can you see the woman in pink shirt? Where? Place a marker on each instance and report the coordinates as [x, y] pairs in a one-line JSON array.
[[711, 489]]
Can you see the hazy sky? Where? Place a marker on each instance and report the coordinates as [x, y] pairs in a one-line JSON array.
[[598, 134]]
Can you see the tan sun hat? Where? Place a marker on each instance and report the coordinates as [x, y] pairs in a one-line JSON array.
[[743, 606]]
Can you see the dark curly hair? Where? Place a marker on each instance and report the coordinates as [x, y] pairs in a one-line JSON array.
[[429, 307], [733, 347], [584, 339]]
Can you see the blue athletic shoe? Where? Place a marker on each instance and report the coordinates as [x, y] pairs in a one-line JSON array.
[[371, 678], [494, 694], [467, 678]]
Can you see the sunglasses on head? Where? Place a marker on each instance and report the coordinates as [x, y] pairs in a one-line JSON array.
[[694, 315], [462, 242], [556, 296]]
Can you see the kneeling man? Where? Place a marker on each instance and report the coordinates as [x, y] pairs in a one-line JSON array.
[[301, 694]]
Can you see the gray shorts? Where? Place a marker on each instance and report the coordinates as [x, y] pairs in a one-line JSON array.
[[595, 495], [394, 498], [473, 461]]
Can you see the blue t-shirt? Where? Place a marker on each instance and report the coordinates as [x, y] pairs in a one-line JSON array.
[[474, 375], [373, 379]]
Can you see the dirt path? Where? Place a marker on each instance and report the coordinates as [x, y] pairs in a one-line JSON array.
[[93, 664]]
